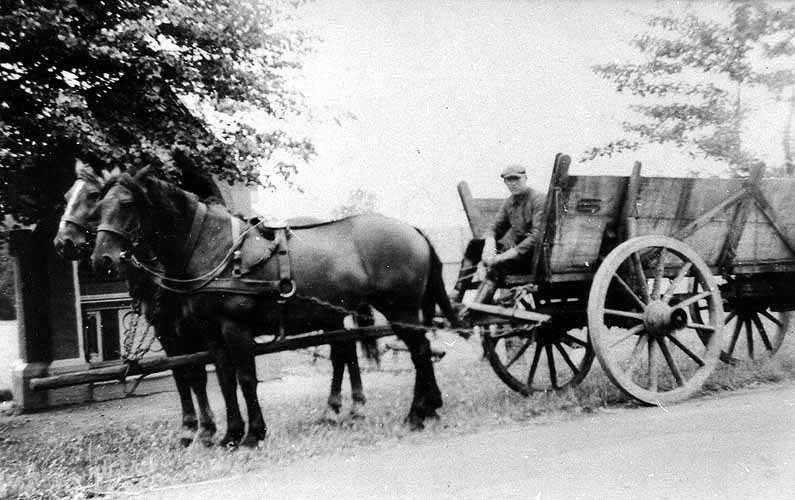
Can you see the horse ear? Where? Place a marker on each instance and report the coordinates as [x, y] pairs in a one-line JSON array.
[[82, 167], [108, 174], [142, 173]]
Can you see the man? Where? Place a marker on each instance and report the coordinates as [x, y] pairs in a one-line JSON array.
[[523, 214]]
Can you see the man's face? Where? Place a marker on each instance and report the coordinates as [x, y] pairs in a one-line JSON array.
[[516, 183]]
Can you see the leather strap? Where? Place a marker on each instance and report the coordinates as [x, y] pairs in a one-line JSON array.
[[195, 229]]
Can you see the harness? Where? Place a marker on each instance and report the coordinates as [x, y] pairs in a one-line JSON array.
[[238, 282]]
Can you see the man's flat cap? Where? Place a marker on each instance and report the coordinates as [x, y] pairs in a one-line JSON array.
[[512, 170]]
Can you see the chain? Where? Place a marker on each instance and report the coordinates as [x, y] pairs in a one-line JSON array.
[[463, 332], [136, 342]]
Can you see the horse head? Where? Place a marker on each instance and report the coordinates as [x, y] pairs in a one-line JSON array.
[[80, 219], [121, 216]]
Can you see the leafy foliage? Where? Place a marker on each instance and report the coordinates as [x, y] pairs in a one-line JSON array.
[[108, 81], [694, 71]]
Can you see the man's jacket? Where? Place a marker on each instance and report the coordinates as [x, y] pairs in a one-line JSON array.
[[523, 213]]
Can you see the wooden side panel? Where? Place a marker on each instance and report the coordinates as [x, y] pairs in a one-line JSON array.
[[590, 204], [760, 242]]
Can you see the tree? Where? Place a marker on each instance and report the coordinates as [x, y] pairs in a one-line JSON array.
[[359, 201], [108, 82], [695, 74]]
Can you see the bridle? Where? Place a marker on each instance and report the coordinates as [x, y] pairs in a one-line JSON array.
[[84, 224]]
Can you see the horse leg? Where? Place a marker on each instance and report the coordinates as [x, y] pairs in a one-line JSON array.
[[189, 422], [427, 396], [207, 426], [181, 380], [226, 379], [241, 348], [355, 376], [335, 395]]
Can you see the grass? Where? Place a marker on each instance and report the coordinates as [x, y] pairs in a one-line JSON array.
[[131, 445]]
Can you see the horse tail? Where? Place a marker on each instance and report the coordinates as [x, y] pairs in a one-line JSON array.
[[435, 292], [370, 349], [369, 344]]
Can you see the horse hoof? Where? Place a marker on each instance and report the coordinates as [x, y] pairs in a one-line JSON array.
[[230, 443], [415, 423], [185, 441], [356, 411], [329, 416], [433, 415], [253, 442]]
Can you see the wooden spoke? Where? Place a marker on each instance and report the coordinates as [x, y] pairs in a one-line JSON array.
[[519, 353], [641, 277], [730, 317], [624, 314], [652, 365], [630, 333], [749, 337], [533, 367], [682, 274], [693, 299], [566, 357], [687, 351], [512, 332], [553, 375], [636, 358], [572, 338], [700, 326], [762, 332], [670, 360], [658, 275], [735, 335], [772, 318], [629, 291]]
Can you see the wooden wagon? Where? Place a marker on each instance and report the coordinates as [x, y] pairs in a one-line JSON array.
[[658, 277]]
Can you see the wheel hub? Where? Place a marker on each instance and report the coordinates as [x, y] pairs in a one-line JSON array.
[[660, 318]]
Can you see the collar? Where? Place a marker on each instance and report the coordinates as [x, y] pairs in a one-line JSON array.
[[518, 198]]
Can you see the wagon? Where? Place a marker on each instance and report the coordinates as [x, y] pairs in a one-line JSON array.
[[657, 277]]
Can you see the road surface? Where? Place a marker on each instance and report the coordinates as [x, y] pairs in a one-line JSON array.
[[732, 446]]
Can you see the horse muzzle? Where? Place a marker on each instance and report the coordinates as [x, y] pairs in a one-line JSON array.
[[105, 265], [69, 250]]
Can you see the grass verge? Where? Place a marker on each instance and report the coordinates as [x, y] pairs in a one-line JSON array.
[[131, 445]]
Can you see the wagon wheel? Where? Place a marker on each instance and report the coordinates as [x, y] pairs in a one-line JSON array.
[[545, 358], [639, 323], [751, 331]]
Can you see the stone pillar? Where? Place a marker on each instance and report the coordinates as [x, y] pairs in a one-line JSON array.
[[33, 325]]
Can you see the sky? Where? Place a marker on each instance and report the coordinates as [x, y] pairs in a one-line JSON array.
[[429, 93]]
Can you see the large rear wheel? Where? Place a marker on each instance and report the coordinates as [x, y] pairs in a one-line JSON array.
[[638, 319], [752, 330]]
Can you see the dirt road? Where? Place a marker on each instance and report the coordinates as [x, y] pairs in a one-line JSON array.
[[734, 446]]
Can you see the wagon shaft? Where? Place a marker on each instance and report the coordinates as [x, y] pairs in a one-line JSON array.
[[149, 366]]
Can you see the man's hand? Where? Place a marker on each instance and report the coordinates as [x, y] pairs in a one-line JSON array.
[[509, 254], [489, 252]]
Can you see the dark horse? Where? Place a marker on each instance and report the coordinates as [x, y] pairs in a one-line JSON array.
[[235, 290], [160, 308]]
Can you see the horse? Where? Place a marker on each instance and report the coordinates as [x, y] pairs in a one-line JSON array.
[[73, 241], [237, 281]]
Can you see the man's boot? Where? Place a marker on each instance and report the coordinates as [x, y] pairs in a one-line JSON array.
[[464, 281]]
